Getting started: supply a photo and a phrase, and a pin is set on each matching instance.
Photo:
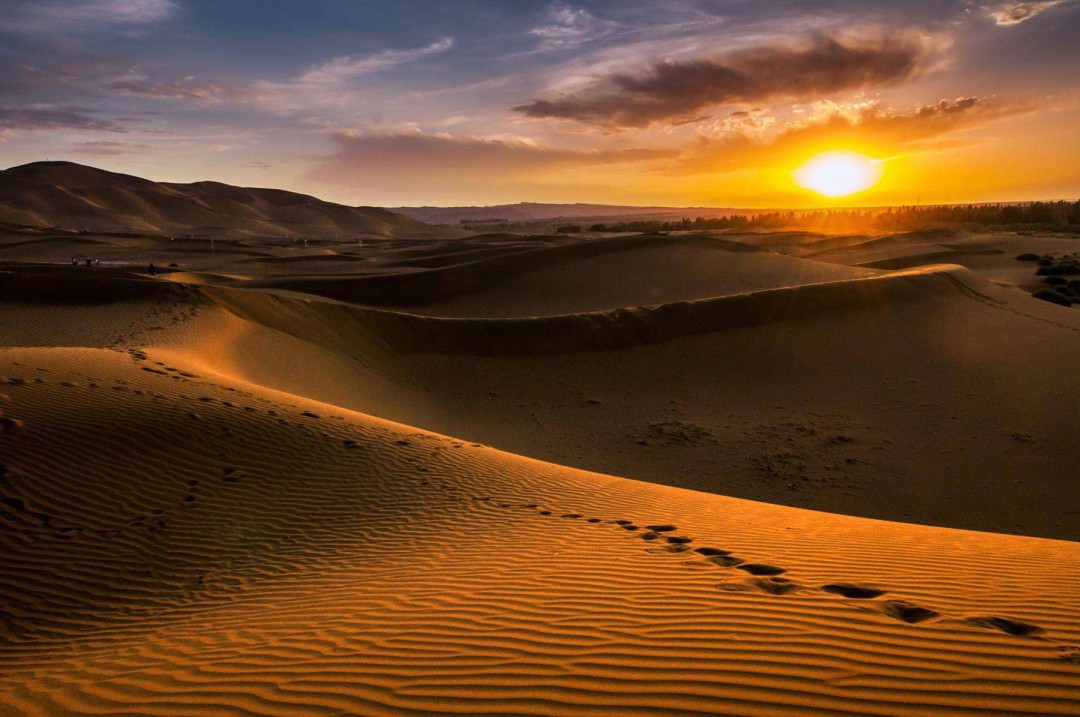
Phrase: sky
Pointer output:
(479, 102)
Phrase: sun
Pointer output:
(838, 173)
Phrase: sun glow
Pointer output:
(839, 173)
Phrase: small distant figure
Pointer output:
(97, 262)
(74, 261)
(153, 269)
(89, 261)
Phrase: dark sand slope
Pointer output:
(177, 543)
(500, 279)
(927, 396)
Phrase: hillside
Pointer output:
(77, 197)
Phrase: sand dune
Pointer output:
(278, 555)
(48, 194)
(206, 509)
(992, 255)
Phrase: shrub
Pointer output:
(1056, 280)
(1058, 270)
(1052, 296)
(1028, 257)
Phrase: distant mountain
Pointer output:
(531, 212)
(74, 196)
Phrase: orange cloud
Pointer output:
(870, 129)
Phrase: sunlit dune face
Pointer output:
(838, 174)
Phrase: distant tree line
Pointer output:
(1046, 216)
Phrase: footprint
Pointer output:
(905, 611)
(1004, 624)
(765, 580)
(10, 425)
(725, 561)
(761, 569)
(712, 551)
(774, 586)
(857, 592)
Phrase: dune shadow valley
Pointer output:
(544, 359)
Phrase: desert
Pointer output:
(560, 360)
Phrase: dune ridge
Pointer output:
(587, 331)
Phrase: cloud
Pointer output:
(186, 88)
(567, 27)
(412, 159)
(53, 16)
(1014, 13)
(671, 91)
(867, 127)
(325, 84)
(344, 68)
(108, 149)
(37, 119)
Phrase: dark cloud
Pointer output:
(872, 129)
(32, 119)
(672, 91)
